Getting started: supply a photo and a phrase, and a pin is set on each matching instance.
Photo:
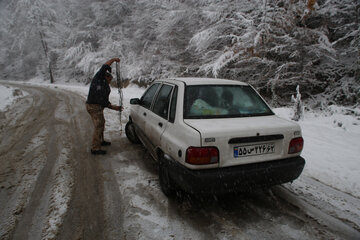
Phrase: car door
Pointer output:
(157, 120)
(140, 115)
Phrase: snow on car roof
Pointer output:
(200, 81)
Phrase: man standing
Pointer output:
(98, 99)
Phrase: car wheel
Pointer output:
(166, 183)
(130, 132)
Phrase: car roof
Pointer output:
(203, 81)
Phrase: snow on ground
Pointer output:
(332, 147)
(8, 95)
(60, 195)
(332, 138)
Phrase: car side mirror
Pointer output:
(134, 101)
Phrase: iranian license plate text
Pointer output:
(251, 150)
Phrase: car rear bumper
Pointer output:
(237, 178)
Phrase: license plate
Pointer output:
(252, 150)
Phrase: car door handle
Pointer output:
(144, 113)
(160, 124)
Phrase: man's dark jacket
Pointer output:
(99, 89)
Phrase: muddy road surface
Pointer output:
(51, 187)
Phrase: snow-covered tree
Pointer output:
(298, 105)
(274, 45)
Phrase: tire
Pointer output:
(130, 133)
(166, 183)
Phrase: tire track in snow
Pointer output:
(32, 222)
(321, 202)
(20, 166)
(64, 198)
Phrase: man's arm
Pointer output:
(106, 67)
(112, 60)
(114, 107)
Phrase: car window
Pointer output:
(148, 96)
(221, 101)
(173, 105)
(161, 106)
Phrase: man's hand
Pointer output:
(116, 108)
(112, 60)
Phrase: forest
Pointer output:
(275, 45)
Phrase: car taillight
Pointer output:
(296, 145)
(202, 155)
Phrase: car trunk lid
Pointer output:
(246, 140)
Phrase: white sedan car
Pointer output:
(214, 136)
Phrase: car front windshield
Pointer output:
(223, 101)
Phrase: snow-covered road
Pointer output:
(49, 187)
(324, 203)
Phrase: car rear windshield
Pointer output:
(223, 101)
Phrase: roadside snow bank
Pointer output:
(332, 146)
(8, 95)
